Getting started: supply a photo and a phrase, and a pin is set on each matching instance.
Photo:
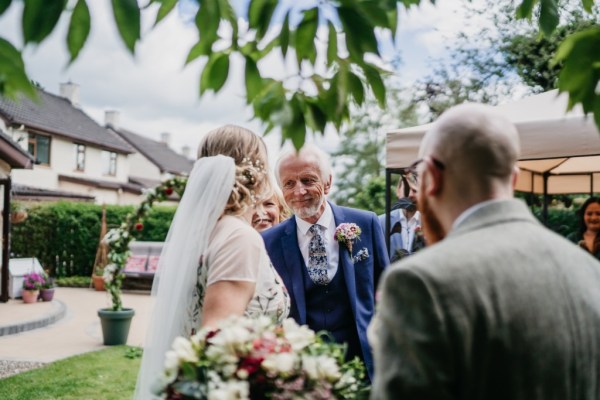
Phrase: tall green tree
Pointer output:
(360, 159)
(505, 55)
(320, 91)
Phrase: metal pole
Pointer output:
(388, 194)
(545, 200)
(5, 240)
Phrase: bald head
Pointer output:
(479, 148)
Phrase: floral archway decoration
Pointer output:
(118, 239)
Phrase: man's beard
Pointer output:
(432, 227)
(307, 212)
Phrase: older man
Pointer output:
(499, 307)
(331, 283)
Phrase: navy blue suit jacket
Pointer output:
(361, 278)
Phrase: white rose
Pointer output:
(230, 390)
(321, 367)
(298, 336)
(184, 350)
(281, 363)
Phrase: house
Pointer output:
(154, 161)
(75, 157)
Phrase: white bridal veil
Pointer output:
(207, 191)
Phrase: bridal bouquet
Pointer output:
(255, 359)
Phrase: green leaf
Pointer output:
(393, 21)
(305, 36)
(284, 35)
(374, 13)
(260, 13)
(196, 51)
(13, 78)
(548, 16)
(525, 9)
(360, 36)
(40, 18)
(332, 47)
(253, 79)
(315, 117)
(218, 71)
(4, 4)
(166, 6)
(374, 80)
(207, 22)
(127, 17)
(79, 29)
(356, 88)
(587, 5)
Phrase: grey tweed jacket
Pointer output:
(501, 309)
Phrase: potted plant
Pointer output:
(32, 283)
(47, 289)
(18, 213)
(98, 279)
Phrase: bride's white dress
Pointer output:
(236, 252)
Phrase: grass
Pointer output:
(108, 374)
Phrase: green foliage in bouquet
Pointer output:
(248, 358)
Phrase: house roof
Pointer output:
(56, 115)
(160, 154)
(13, 154)
(24, 192)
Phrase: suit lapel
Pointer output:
(293, 262)
(345, 259)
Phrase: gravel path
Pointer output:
(8, 368)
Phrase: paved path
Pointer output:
(77, 332)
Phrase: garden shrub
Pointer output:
(64, 236)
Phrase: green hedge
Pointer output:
(64, 236)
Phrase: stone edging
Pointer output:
(46, 320)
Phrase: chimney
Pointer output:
(111, 118)
(185, 151)
(70, 91)
(165, 138)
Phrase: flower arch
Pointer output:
(118, 239)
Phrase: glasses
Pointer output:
(410, 176)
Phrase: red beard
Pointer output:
(432, 227)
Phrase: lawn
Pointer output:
(108, 374)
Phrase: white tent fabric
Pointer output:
(564, 146)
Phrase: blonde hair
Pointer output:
(284, 210)
(250, 156)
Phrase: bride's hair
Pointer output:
(250, 155)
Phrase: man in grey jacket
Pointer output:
(498, 307)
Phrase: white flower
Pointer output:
(184, 350)
(171, 366)
(321, 367)
(299, 336)
(280, 363)
(230, 390)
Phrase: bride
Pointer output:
(213, 264)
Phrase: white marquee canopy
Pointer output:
(564, 147)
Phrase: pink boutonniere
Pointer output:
(348, 233)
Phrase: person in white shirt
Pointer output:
(406, 235)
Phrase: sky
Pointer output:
(154, 92)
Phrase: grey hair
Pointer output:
(309, 150)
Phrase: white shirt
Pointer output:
(408, 229)
(327, 224)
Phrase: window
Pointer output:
(80, 157)
(109, 163)
(39, 147)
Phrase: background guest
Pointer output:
(270, 211)
(589, 226)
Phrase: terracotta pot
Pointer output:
(47, 294)
(16, 217)
(98, 283)
(30, 296)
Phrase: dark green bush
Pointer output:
(74, 281)
(64, 236)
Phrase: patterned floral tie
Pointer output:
(317, 257)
